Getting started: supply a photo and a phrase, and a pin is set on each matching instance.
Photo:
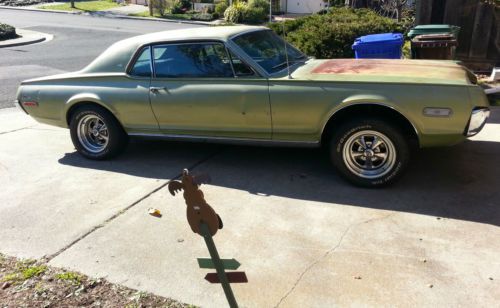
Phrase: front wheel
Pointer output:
(96, 134)
(369, 152)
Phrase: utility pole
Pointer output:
(270, 10)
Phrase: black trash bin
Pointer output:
(434, 46)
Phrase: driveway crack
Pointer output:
(327, 253)
(18, 129)
(122, 211)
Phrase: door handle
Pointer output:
(156, 89)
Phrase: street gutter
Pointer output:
(110, 15)
(26, 37)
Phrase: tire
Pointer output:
(379, 162)
(96, 134)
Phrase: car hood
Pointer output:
(385, 70)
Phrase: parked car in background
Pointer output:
(244, 84)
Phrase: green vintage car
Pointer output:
(243, 84)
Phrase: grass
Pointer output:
(166, 16)
(25, 270)
(72, 277)
(86, 6)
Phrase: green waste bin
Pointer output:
(433, 29)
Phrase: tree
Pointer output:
(395, 6)
(72, 4)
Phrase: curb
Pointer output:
(37, 37)
(110, 15)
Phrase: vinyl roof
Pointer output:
(117, 56)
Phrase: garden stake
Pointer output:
(205, 221)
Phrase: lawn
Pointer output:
(166, 16)
(87, 6)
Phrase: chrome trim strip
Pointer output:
(378, 104)
(228, 140)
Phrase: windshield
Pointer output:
(268, 50)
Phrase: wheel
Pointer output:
(96, 134)
(369, 152)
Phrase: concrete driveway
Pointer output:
(304, 237)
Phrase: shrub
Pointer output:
(255, 11)
(254, 15)
(260, 4)
(7, 32)
(204, 16)
(235, 12)
(331, 35)
(221, 7)
(180, 6)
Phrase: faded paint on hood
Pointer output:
(384, 70)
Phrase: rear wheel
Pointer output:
(369, 152)
(96, 134)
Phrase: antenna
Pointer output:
(286, 51)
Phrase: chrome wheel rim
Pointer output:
(93, 133)
(369, 154)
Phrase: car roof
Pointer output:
(117, 56)
(216, 33)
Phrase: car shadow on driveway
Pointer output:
(459, 182)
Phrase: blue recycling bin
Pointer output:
(379, 46)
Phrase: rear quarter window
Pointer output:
(142, 65)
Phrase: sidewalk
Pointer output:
(119, 12)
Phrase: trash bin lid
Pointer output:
(379, 38)
(430, 29)
(434, 40)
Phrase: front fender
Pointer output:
(367, 99)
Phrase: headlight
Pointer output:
(477, 120)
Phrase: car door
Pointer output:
(199, 90)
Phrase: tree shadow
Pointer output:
(458, 182)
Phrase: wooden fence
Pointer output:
(479, 38)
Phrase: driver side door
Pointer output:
(195, 91)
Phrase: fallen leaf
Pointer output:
(154, 212)
(5, 285)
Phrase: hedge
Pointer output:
(251, 12)
(7, 32)
(332, 34)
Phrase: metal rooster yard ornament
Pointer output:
(204, 221)
(198, 210)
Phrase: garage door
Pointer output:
(304, 6)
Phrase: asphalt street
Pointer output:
(78, 39)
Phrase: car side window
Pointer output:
(241, 69)
(192, 60)
(142, 66)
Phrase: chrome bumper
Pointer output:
(477, 121)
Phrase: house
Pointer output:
(300, 6)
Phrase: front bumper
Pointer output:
(477, 121)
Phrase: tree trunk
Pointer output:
(72, 4)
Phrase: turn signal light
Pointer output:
(30, 104)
